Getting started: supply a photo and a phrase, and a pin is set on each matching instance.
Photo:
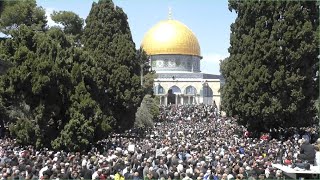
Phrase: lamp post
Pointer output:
(157, 89)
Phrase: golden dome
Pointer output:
(170, 37)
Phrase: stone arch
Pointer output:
(159, 89)
(190, 90)
(175, 89)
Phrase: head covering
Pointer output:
(230, 176)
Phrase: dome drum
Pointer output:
(175, 62)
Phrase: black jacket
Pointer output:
(308, 151)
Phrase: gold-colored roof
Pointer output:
(170, 37)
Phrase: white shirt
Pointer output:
(95, 175)
(180, 168)
(42, 170)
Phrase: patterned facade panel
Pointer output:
(187, 75)
(187, 63)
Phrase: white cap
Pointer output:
(230, 176)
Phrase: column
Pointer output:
(176, 99)
(166, 100)
(181, 99)
(188, 99)
(160, 100)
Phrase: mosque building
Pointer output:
(175, 56)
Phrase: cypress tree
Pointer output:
(270, 74)
(50, 93)
(116, 85)
(36, 86)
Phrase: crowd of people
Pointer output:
(188, 142)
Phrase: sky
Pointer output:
(210, 21)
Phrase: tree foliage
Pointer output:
(71, 22)
(143, 117)
(116, 84)
(145, 68)
(57, 94)
(148, 82)
(85, 121)
(23, 12)
(39, 79)
(146, 113)
(272, 65)
(152, 105)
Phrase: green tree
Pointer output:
(148, 76)
(39, 79)
(147, 112)
(152, 105)
(26, 12)
(50, 93)
(85, 121)
(56, 94)
(4, 116)
(116, 86)
(148, 82)
(71, 22)
(23, 130)
(269, 76)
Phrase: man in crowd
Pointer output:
(307, 151)
(188, 142)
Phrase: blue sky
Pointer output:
(210, 20)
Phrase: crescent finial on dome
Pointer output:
(170, 13)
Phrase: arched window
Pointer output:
(190, 90)
(158, 89)
(175, 90)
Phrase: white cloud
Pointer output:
(211, 63)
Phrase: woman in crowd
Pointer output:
(188, 142)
